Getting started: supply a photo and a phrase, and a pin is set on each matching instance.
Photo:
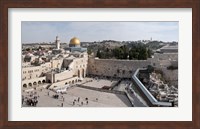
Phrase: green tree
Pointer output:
(27, 49)
(98, 53)
(89, 51)
(149, 52)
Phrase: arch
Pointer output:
(43, 81)
(34, 83)
(49, 81)
(78, 73)
(83, 73)
(24, 85)
(66, 83)
(69, 82)
(39, 82)
(72, 81)
(76, 80)
(29, 84)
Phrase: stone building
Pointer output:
(68, 67)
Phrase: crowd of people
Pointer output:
(31, 99)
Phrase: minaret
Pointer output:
(57, 43)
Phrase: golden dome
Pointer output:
(74, 41)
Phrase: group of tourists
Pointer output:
(31, 100)
(80, 102)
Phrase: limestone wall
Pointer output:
(115, 68)
(164, 60)
(63, 75)
(57, 63)
(72, 81)
(32, 72)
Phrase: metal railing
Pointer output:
(149, 96)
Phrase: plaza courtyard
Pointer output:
(77, 96)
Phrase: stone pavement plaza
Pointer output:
(95, 98)
(99, 83)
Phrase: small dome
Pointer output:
(74, 41)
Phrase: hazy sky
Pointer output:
(35, 31)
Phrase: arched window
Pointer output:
(30, 84)
(39, 82)
(24, 85)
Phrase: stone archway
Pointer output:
(66, 83)
(43, 81)
(79, 73)
(30, 84)
(34, 83)
(24, 85)
(39, 82)
(83, 73)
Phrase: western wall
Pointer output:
(114, 67)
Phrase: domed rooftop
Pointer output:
(74, 42)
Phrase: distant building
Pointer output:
(57, 43)
(169, 49)
(74, 45)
